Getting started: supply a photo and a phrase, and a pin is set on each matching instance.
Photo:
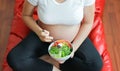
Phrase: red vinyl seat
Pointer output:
(19, 31)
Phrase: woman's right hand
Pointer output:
(44, 35)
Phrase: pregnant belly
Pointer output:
(62, 31)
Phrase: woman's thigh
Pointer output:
(86, 58)
(31, 46)
(24, 56)
(87, 51)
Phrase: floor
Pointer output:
(6, 15)
(111, 21)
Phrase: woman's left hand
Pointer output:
(74, 50)
(72, 54)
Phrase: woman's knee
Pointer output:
(13, 61)
(96, 65)
(10, 61)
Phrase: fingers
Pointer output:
(72, 54)
(45, 36)
(48, 39)
(45, 33)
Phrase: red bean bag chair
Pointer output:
(19, 30)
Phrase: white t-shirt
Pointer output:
(70, 12)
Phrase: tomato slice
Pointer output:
(62, 41)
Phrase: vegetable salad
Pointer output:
(60, 48)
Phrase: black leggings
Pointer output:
(25, 57)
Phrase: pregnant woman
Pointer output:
(71, 20)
